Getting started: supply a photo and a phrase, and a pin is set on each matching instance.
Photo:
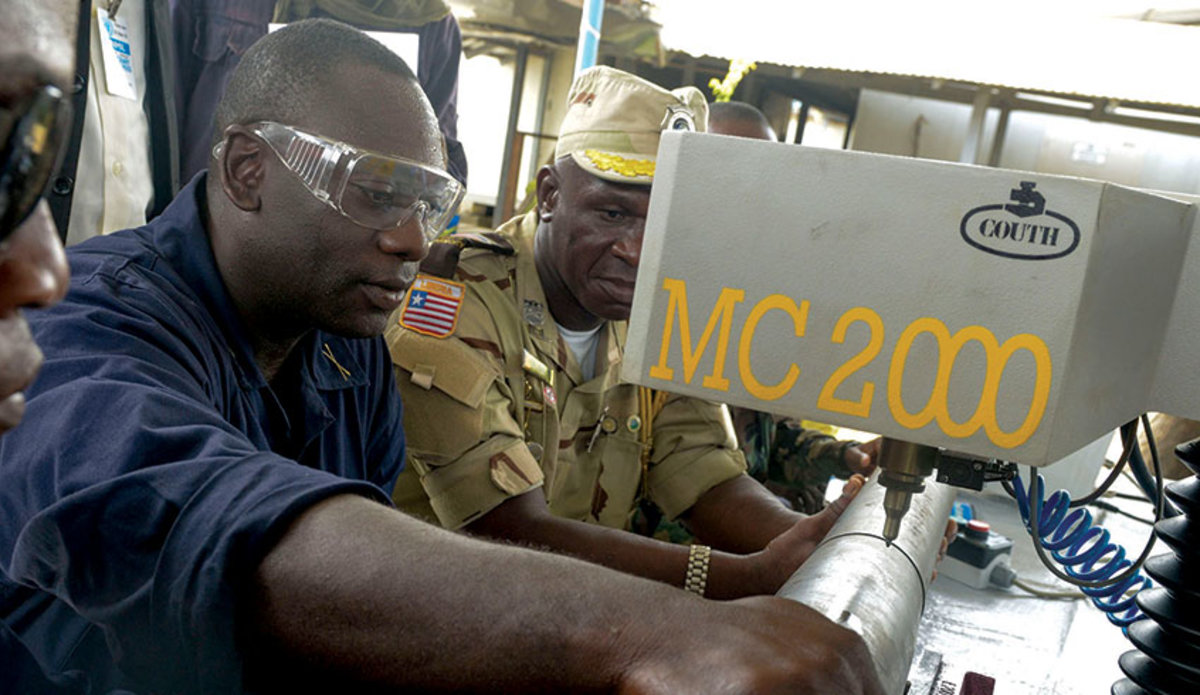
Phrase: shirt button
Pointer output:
(118, 168)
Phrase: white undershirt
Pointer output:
(583, 346)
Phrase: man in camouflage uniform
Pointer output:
(508, 351)
(796, 462)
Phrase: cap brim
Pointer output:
(621, 167)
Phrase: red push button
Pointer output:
(978, 529)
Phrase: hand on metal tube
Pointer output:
(947, 539)
(790, 549)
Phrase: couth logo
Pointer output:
(1022, 228)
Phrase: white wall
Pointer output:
(888, 123)
(484, 93)
(896, 124)
(1125, 155)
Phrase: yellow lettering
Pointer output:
(861, 407)
(896, 376)
(799, 319)
(1041, 390)
(722, 313)
(985, 411)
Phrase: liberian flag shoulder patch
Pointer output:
(432, 306)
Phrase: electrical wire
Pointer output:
(1095, 494)
(1127, 496)
(1114, 509)
(1126, 452)
(1129, 477)
(1047, 592)
(1142, 478)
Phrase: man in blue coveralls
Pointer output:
(197, 499)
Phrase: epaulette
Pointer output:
(442, 259)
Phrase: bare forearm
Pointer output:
(739, 516)
(362, 598)
(526, 520)
(362, 592)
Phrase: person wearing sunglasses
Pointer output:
(34, 120)
(198, 499)
(36, 58)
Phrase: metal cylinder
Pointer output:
(860, 581)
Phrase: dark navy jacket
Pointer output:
(155, 467)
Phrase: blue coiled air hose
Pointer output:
(1085, 551)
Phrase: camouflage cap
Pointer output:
(614, 121)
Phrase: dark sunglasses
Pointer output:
(37, 128)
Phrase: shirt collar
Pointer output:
(181, 236)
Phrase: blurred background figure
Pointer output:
(212, 35)
(740, 119)
(210, 38)
(121, 163)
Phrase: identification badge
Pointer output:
(118, 55)
(432, 306)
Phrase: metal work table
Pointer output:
(1029, 645)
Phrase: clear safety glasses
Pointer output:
(373, 190)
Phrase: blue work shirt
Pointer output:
(155, 466)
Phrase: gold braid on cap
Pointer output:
(625, 167)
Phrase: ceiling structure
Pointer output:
(1016, 55)
(1116, 61)
(498, 27)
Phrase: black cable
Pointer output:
(1131, 498)
(1101, 504)
(1160, 499)
(1137, 466)
(1112, 477)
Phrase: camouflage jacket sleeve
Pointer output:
(694, 450)
(465, 445)
(801, 456)
(782, 451)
